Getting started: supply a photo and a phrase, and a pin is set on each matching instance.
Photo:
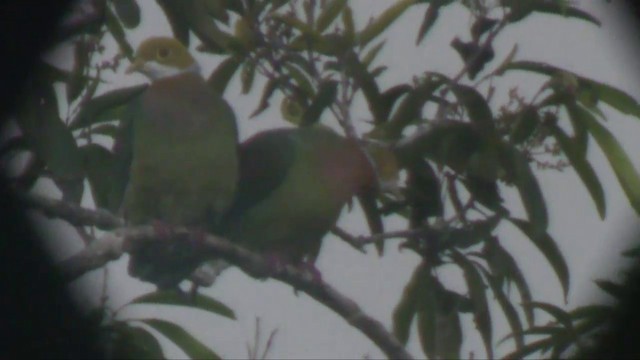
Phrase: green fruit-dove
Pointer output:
(293, 185)
(184, 166)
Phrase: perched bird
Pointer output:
(293, 185)
(184, 167)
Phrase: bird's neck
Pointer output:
(156, 71)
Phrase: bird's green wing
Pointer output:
(265, 161)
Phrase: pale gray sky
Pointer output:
(308, 329)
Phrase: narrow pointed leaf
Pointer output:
(582, 168)
(430, 17)
(347, 22)
(78, 81)
(248, 75)
(220, 77)
(193, 347)
(98, 163)
(201, 301)
(324, 98)
(175, 13)
(329, 13)
(405, 311)
(128, 11)
(476, 106)
(91, 111)
(608, 94)
(300, 79)
(549, 249)
(550, 7)
(118, 33)
(616, 290)
(580, 137)
(382, 22)
(508, 309)
(371, 55)
(561, 316)
(529, 189)
(525, 124)
(539, 345)
(478, 294)
(618, 159)
(132, 342)
(269, 89)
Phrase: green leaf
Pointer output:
(616, 290)
(622, 166)
(410, 108)
(423, 191)
(608, 94)
(439, 320)
(220, 77)
(48, 136)
(110, 103)
(131, 342)
(580, 137)
(549, 7)
(430, 17)
(329, 13)
(601, 312)
(325, 97)
(175, 14)
(505, 268)
(449, 144)
(549, 249)
(365, 81)
(582, 168)
(207, 30)
(269, 89)
(525, 124)
(539, 345)
(371, 55)
(78, 81)
(477, 108)
(347, 22)
(405, 311)
(486, 192)
(201, 301)
(248, 75)
(98, 163)
(382, 22)
(118, 34)
(179, 336)
(508, 309)
(528, 187)
(551, 330)
(128, 11)
(426, 321)
(561, 316)
(300, 78)
(477, 293)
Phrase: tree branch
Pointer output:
(114, 245)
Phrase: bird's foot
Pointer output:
(198, 237)
(275, 262)
(162, 229)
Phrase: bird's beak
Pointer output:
(136, 66)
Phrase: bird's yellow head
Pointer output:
(161, 57)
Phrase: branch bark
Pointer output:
(115, 244)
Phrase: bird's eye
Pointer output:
(163, 53)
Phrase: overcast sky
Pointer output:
(307, 329)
